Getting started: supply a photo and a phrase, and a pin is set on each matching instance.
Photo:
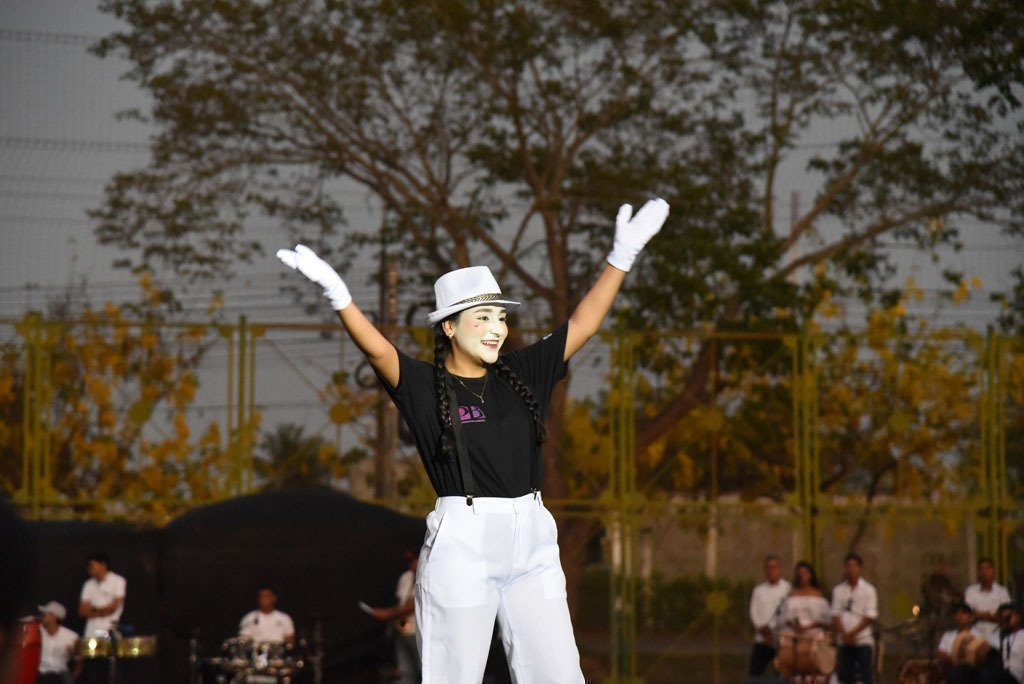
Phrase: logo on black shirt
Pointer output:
(471, 414)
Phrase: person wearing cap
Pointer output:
(58, 647)
(477, 418)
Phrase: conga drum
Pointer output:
(29, 645)
(796, 655)
(823, 654)
(969, 649)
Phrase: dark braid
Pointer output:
(446, 448)
(506, 373)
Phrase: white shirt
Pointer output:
(946, 642)
(405, 590)
(807, 611)
(853, 604)
(986, 602)
(272, 626)
(101, 595)
(1013, 654)
(765, 606)
(57, 650)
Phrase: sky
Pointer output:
(61, 141)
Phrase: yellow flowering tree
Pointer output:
(110, 394)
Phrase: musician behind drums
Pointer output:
(804, 651)
(58, 647)
(765, 608)
(1008, 642)
(101, 603)
(854, 609)
(963, 649)
(267, 623)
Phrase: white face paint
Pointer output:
(478, 335)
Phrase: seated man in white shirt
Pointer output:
(962, 649)
(267, 623)
(1008, 643)
(58, 647)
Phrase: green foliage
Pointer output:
(288, 459)
(680, 605)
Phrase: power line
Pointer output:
(73, 144)
(47, 38)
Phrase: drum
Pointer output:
(29, 644)
(237, 652)
(269, 655)
(93, 647)
(823, 654)
(136, 646)
(922, 671)
(809, 654)
(969, 649)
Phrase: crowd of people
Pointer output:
(806, 636)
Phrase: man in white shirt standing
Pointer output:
(101, 604)
(267, 623)
(403, 619)
(58, 647)
(765, 603)
(985, 597)
(103, 596)
(854, 609)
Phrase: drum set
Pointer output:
(246, 661)
(114, 646)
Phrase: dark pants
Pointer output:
(95, 671)
(53, 678)
(995, 674)
(851, 661)
(760, 656)
(962, 674)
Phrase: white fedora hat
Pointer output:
(55, 608)
(463, 289)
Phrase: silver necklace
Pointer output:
(483, 390)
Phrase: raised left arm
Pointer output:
(631, 234)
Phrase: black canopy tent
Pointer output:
(323, 551)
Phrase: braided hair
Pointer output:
(442, 347)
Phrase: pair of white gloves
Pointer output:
(631, 234)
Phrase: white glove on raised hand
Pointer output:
(631, 234)
(306, 262)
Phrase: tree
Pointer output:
(291, 459)
(508, 133)
(110, 391)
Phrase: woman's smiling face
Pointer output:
(478, 333)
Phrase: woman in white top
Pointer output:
(804, 654)
(807, 612)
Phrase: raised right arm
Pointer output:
(379, 351)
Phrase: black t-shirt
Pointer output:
(499, 431)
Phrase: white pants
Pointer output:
(498, 557)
